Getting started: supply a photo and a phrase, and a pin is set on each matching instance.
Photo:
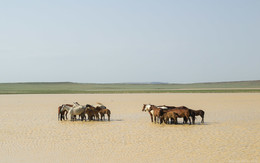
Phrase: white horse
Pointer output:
(75, 110)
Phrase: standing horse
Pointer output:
(196, 113)
(62, 113)
(76, 110)
(201, 113)
(147, 107)
(102, 113)
(92, 112)
(102, 109)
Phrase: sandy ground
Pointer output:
(30, 131)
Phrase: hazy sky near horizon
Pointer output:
(108, 41)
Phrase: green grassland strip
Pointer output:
(82, 88)
(131, 91)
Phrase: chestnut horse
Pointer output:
(147, 107)
(181, 112)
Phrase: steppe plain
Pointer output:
(30, 130)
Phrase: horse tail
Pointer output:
(108, 111)
(59, 113)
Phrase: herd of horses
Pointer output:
(158, 114)
(170, 114)
(92, 112)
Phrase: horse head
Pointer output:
(146, 107)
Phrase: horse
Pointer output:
(166, 115)
(200, 113)
(182, 112)
(196, 113)
(102, 109)
(91, 112)
(155, 112)
(147, 107)
(75, 110)
(102, 113)
(62, 114)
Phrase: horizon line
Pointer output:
(49, 82)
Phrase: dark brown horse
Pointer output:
(91, 112)
(196, 113)
(200, 113)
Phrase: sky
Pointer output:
(112, 41)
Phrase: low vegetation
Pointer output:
(82, 88)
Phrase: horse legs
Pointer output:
(101, 116)
(185, 120)
(202, 120)
(193, 119)
(151, 116)
(189, 120)
(108, 117)
(66, 113)
(97, 116)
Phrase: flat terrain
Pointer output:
(83, 88)
(31, 132)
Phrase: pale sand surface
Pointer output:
(30, 131)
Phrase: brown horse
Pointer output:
(165, 115)
(196, 113)
(102, 113)
(147, 107)
(155, 112)
(91, 112)
(200, 113)
(102, 110)
(182, 112)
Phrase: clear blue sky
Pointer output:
(106, 41)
